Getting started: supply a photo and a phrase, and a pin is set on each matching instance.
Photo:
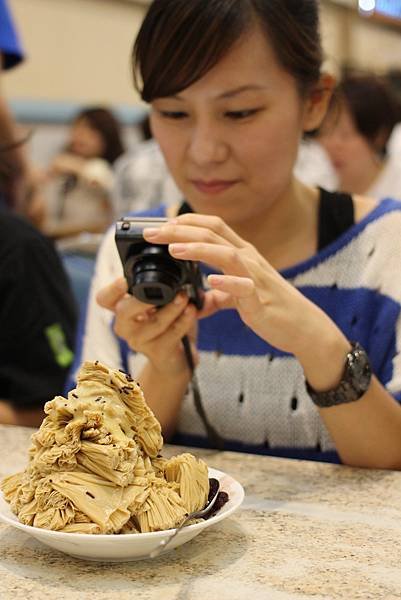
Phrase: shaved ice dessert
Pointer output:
(95, 464)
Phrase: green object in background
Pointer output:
(56, 338)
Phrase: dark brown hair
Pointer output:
(374, 108)
(105, 123)
(181, 40)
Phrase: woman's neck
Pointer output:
(287, 232)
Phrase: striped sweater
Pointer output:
(253, 393)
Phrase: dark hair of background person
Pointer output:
(180, 41)
(102, 120)
(393, 76)
(374, 107)
(144, 128)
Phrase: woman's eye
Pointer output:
(241, 114)
(172, 114)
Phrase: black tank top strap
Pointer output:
(336, 215)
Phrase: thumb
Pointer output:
(108, 296)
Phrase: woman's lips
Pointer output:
(212, 187)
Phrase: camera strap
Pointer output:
(216, 441)
(184, 208)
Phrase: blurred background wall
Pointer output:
(78, 50)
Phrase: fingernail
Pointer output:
(215, 280)
(179, 299)
(150, 232)
(140, 318)
(177, 248)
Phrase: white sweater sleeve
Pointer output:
(99, 341)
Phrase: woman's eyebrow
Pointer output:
(232, 92)
(240, 90)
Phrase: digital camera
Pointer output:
(153, 275)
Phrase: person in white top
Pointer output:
(356, 134)
(80, 178)
(142, 180)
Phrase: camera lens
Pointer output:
(156, 276)
(153, 293)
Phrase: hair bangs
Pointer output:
(179, 50)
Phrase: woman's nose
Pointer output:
(207, 145)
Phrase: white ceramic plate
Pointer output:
(131, 546)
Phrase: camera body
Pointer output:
(153, 275)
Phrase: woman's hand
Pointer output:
(156, 333)
(266, 302)
(66, 164)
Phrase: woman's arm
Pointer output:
(366, 432)
(164, 395)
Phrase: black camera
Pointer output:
(153, 275)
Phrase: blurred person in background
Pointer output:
(37, 321)
(18, 180)
(356, 133)
(393, 76)
(81, 176)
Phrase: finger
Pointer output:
(171, 233)
(239, 287)
(212, 223)
(162, 320)
(195, 227)
(108, 296)
(168, 339)
(215, 300)
(129, 308)
(225, 258)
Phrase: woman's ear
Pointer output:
(317, 102)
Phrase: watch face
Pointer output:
(359, 371)
(356, 380)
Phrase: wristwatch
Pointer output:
(354, 382)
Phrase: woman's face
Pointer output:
(350, 152)
(85, 141)
(230, 140)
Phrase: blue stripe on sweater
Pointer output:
(283, 452)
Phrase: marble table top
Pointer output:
(306, 530)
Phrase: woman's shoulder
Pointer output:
(365, 206)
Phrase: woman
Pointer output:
(83, 175)
(233, 85)
(356, 133)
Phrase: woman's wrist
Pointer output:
(323, 360)
(166, 374)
